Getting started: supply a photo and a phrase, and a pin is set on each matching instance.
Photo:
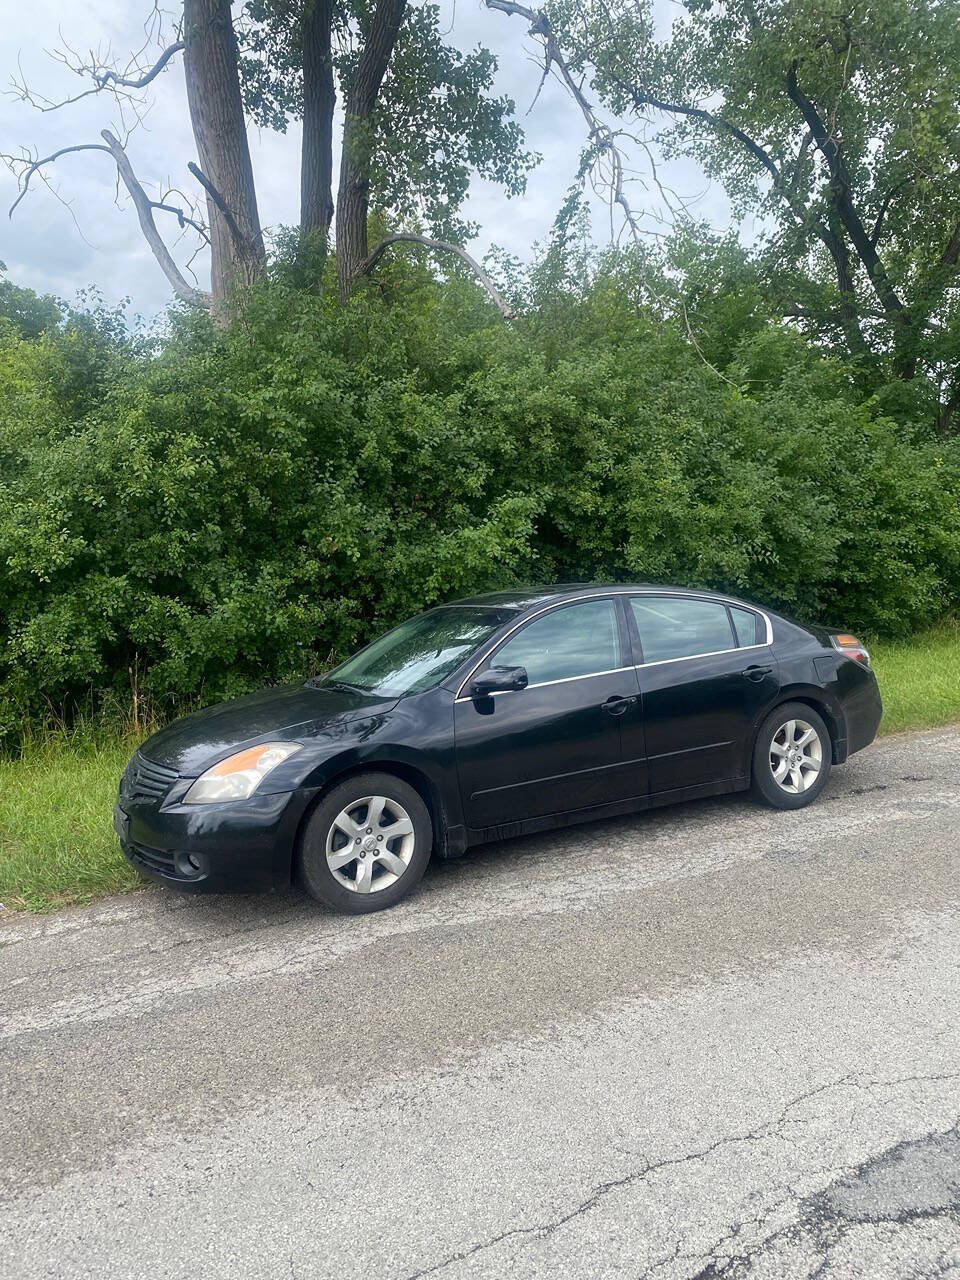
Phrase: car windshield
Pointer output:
(419, 653)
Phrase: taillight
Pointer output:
(851, 646)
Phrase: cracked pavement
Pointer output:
(709, 1042)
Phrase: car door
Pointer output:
(706, 673)
(554, 746)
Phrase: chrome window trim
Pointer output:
(604, 595)
(690, 657)
(542, 684)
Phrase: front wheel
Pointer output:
(791, 757)
(367, 844)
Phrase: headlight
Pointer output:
(237, 777)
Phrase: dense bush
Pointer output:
(228, 508)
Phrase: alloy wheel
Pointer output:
(370, 844)
(796, 756)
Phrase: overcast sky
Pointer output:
(58, 249)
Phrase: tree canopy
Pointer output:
(838, 125)
(836, 130)
(434, 125)
(419, 119)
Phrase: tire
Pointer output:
(779, 746)
(356, 817)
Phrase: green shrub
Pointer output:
(236, 507)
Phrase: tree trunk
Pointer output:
(949, 413)
(220, 132)
(354, 193)
(319, 98)
(841, 188)
(832, 237)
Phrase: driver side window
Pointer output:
(577, 640)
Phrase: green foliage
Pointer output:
(436, 122)
(28, 312)
(860, 226)
(241, 506)
(437, 126)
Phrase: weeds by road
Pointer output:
(56, 820)
(919, 678)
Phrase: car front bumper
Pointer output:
(245, 846)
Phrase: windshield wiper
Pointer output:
(320, 682)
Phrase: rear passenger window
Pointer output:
(673, 628)
(746, 625)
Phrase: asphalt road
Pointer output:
(713, 1041)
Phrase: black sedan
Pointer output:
(488, 718)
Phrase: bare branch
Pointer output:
(604, 141)
(601, 136)
(23, 93)
(182, 218)
(96, 70)
(142, 202)
(186, 210)
(439, 246)
(141, 82)
(144, 206)
(34, 166)
(239, 239)
(640, 100)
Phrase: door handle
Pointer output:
(756, 673)
(616, 706)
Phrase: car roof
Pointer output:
(522, 598)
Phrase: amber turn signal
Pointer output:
(852, 647)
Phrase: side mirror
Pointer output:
(498, 680)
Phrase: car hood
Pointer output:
(304, 712)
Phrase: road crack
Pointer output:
(649, 1169)
(646, 1171)
(904, 1174)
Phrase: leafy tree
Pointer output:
(419, 117)
(30, 313)
(838, 124)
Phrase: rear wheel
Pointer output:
(791, 758)
(367, 844)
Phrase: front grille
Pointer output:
(145, 782)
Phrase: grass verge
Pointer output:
(919, 678)
(57, 845)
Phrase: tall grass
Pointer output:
(57, 844)
(919, 678)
